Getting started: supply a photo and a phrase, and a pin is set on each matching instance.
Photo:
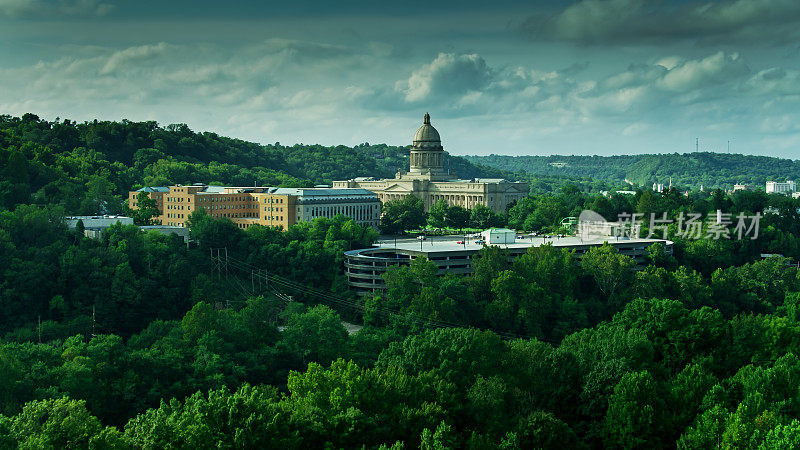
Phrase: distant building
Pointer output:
(774, 187)
(744, 187)
(560, 165)
(428, 179)
(610, 193)
(95, 226)
(165, 229)
(269, 206)
(660, 187)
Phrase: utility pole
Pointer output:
(697, 145)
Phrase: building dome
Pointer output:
(426, 136)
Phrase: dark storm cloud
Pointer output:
(657, 21)
(54, 8)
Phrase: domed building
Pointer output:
(428, 179)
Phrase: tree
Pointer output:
(611, 270)
(62, 423)
(543, 430)
(316, 335)
(635, 415)
(457, 217)
(146, 209)
(401, 215)
(483, 217)
(437, 215)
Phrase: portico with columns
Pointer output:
(428, 180)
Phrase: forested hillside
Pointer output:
(88, 167)
(711, 170)
(138, 341)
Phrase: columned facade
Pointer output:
(428, 180)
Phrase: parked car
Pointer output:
(421, 238)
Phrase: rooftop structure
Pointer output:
(97, 222)
(95, 226)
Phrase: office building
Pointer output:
(269, 206)
(774, 187)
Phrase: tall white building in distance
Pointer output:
(774, 187)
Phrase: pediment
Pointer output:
(397, 188)
(514, 188)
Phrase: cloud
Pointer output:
(50, 8)
(660, 21)
(775, 81)
(448, 76)
(695, 74)
(132, 56)
(298, 91)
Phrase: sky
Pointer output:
(585, 77)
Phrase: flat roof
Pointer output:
(96, 217)
(449, 243)
(322, 192)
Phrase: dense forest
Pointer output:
(137, 340)
(710, 170)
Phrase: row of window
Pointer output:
(357, 212)
(216, 199)
(236, 215)
(240, 206)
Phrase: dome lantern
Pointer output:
(426, 137)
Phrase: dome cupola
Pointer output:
(426, 137)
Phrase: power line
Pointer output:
(272, 279)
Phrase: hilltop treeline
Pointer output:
(711, 170)
(88, 167)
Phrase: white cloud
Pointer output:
(694, 74)
(448, 75)
(131, 57)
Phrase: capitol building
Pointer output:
(428, 180)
